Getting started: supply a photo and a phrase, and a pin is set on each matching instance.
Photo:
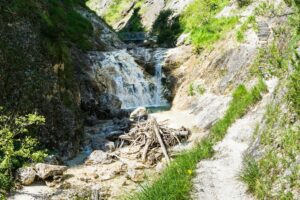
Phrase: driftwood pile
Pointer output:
(151, 136)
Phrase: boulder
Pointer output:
(26, 175)
(139, 113)
(98, 157)
(45, 171)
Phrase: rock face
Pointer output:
(26, 175)
(57, 87)
(45, 171)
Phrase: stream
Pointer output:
(128, 81)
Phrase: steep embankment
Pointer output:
(44, 67)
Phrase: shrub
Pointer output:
(243, 3)
(18, 144)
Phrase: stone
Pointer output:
(45, 171)
(53, 160)
(26, 175)
(99, 143)
(135, 175)
(108, 175)
(98, 157)
(139, 113)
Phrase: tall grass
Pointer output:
(175, 182)
(199, 19)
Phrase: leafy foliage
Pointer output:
(167, 28)
(134, 24)
(18, 144)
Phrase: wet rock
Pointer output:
(26, 175)
(45, 171)
(139, 113)
(98, 157)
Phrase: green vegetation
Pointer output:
(134, 24)
(280, 139)
(274, 59)
(18, 145)
(199, 19)
(195, 89)
(249, 23)
(243, 3)
(36, 62)
(209, 33)
(175, 182)
(275, 174)
(294, 85)
(166, 29)
(113, 13)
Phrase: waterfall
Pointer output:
(159, 57)
(123, 77)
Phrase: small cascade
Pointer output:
(123, 77)
(159, 56)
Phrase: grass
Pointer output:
(212, 31)
(249, 23)
(280, 141)
(194, 89)
(275, 173)
(175, 182)
(199, 19)
(113, 13)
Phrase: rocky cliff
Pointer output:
(45, 67)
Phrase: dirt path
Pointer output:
(218, 178)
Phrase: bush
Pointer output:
(243, 3)
(166, 28)
(18, 144)
(5, 183)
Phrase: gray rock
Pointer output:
(135, 175)
(45, 171)
(139, 113)
(98, 157)
(26, 175)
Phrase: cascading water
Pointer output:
(159, 57)
(124, 78)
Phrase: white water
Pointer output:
(123, 77)
(159, 57)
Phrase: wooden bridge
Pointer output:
(136, 37)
